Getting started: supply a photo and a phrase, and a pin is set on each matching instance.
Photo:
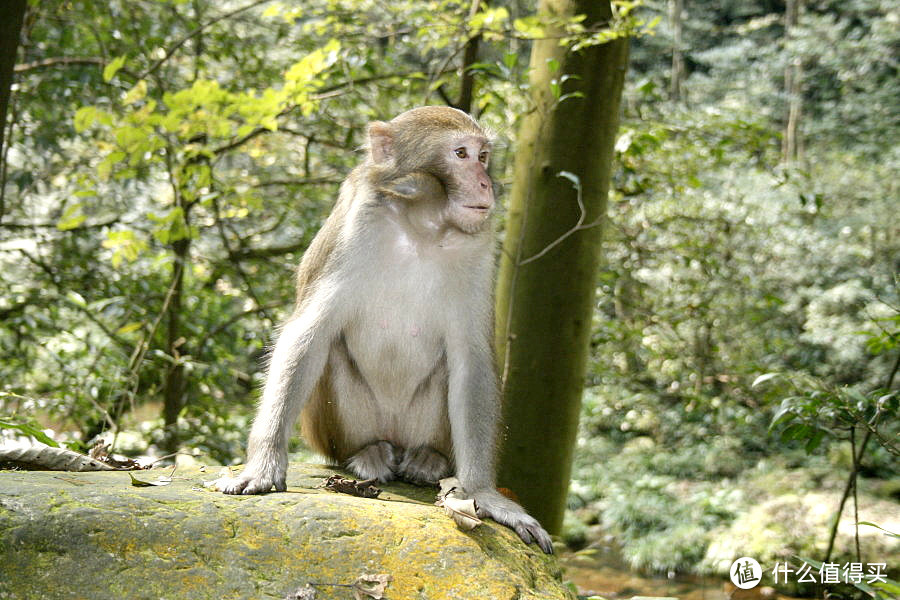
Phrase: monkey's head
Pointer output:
(447, 144)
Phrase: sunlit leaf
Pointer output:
(137, 92)
(110, 70)
(71, 218)
(129, 327)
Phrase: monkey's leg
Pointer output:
(423, 465)
(378, 460)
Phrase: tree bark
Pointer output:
(10, 29)
(546, 287)
(175, 385)
(675, 9)
(792, 143)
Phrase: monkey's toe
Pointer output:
(378, 461)
(492, 505)
(231, 485)
(249, 484)
(423, 465)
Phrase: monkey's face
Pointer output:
(470, 194)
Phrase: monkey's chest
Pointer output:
(395, 340)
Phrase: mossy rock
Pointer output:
(95, 535)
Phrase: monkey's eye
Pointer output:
(461, 153)
(483, 157)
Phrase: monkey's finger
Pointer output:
(523, 532)
(533, 532)
(281, 486)
(543, 540)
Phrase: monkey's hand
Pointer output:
(255, 480)
(491, 503)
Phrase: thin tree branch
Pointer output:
(220, 225)
(323, 93)
(851, 480)
(231, 321)
(579, 225)
(112, 221)
(172, 49)
(268, 252)
(56, 61)
(84, 310)
(289, 182)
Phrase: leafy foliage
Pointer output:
(724, 264)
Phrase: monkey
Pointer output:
(387, 357)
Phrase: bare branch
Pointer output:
(232, 320)
(268, 252)
(55, 61)
(172, 49)
(289, 182)
(579, 225)
(102, 224)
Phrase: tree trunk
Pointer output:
(546, 287)
(174, 390)
(792, 143)
(10, 29)
(675, 9)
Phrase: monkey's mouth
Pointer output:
(477, 207)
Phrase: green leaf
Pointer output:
(529, 27)
(139, 483)
(110, 70)
(814, 441)
(124, 245)
(137, 92)
(796, 431)
(134, 326)
(85, 117)
(870, 524)
(76, 298)
(30, 431)
(763, 378)
(71, 218)
(273, 11)
(489, 17)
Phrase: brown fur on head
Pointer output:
(443, 143)
(406, 142)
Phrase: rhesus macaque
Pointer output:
(388, 351)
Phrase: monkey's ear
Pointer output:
(381, 142)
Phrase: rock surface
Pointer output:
(95, 535)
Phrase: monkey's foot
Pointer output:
(251, 481)
(498, 507)
(378, 461)
(423, 465)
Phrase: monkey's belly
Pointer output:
(390, 385)
(394, 357)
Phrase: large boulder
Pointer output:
(95, 535)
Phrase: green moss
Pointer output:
(101, 537)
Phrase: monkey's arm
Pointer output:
(296, 365)
(474, 414)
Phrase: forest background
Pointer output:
(166, 163)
